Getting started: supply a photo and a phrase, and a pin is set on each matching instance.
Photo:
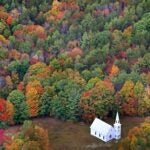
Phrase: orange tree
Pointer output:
(34, 91)
(6, 112)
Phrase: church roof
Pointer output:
(101, 126)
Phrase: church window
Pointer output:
(95, 132)
(103, 137)
(99, 135)
(110, 136)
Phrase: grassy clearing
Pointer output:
(76, 136)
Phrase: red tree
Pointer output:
(3, 113)
(9, 20)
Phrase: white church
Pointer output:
(104, 131)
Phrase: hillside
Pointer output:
(73, 59)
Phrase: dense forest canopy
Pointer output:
(74, 59)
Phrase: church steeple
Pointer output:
(117, 118)
(117, 127)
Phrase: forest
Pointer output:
(74, 60)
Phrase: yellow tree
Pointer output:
(144, 103)
(38, 71)
(10, 111)
(128, 100)
(127, 89)
(33, 92)
(75, 76)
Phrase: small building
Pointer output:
(104, 131)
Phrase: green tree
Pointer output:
(141, 30)
(25, 47)
(91, 83)
(86, 74)
(138, 89)
(65, 103)
(33, 12)
(45, 101)
(101, 38)
(3, 53)
(144, 63)
(19, 66)
(55, 64)
(17, 98)
(86, 41)
(88, 23)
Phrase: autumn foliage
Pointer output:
(3, 114)
(137, 138)
(34, 137)
(114, 70)
(58, 9)
(95, 102)
(14, 54)
(3, 40)
(3, 14)
(32, 29)
(75, 52)
(126, 99)
(21, 86)
(73, 59)
(9, 20)
(6, 111)
(39, 71)
(2, 136)
(33, 93)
